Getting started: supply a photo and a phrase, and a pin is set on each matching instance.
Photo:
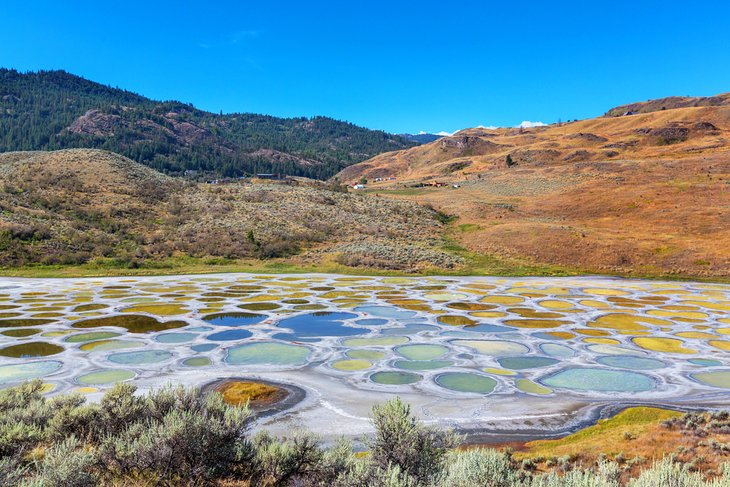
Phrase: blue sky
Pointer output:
(396, 66)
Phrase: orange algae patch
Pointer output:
(555, 304)
(605, 292)
(592, 303)
(724, 306)
(532, 313)
(679, 307)
(491, 370)
(548, 291)
(668, 345)
(488, 314)
(694, 315)
(626, 322)
(603, 341)
(502, 299)
(694, 334)
(240, 393)
(157, 309)
(411, 304)
(536, 323)
(563, 335)
(721, 344)
(470, 306)
(592, 333)
(455, 320)
(86, 390)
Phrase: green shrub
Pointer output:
(402, 440)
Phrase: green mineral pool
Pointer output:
(133, 323)
(421, 351)
(31, 349)
(109, 345)
(30, 370)
(557, 350)
(394, 378)
(21, 332)
(366, 354)
(520, 363)
(494, 348)
(705, 362)
(631, 362)
(140, 358)
(526, 385)
(93, 335)
(101, 377)
(351, 365)
(197, 361)
(720, 378)
(466, 382)
(272, 353)
(378, 341)
(599, 380)
(422, 364)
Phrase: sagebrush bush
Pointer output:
(177, 436)
(479, 466)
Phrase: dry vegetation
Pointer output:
(175, 437)
(635, 439)
(79, 206)
(642, 194)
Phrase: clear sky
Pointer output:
(391, 65)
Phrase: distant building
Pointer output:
(359, 186)
(275, 176)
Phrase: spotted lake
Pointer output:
(521, 354)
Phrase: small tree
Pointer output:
(509, 160)
(363, 181)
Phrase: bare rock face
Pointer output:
(466, 144)
(669, 135)
(94, 122)
(588, 137)
(579, 155)
(279, 157)
(703, 126)
(187, 132)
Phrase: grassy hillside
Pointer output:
(82, 206)
(642, 194)
(51, 110)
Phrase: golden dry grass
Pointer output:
(636, 433)
(601, 195)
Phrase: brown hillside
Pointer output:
(670, 103)
(647, 193)
(78, 205)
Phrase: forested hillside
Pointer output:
(54, 110)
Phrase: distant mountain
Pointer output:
(48, 110)
(421, 138)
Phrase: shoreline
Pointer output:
(283, 268)
(470, 436)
